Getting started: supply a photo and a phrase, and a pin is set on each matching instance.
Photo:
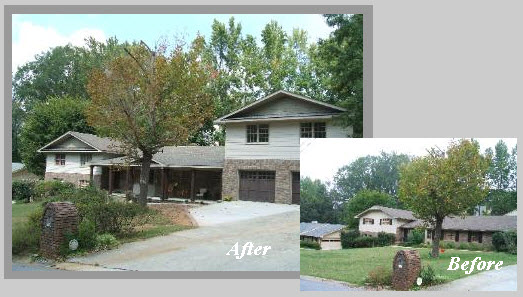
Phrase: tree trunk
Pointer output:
(144, 178)
(436, 239)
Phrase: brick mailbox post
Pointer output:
(405, 269)
(59, 219)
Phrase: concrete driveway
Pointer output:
(205, 248)
(492, 280)
(309, 283)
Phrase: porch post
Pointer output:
(91, 174)
(110, 180)
(163, 183)
(128, 179)
(192, 184)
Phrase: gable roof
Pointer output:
(240, 114)
(391, 212)
(318, 230)
(473, 223)
(98, 144)
(181, 156)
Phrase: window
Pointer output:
(85, 158)
(313, 130)
(59, 159)
(385, 221)
(475, 237)
(258, 133)
(367, 221)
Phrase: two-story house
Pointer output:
(259, 162)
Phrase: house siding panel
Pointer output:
(376, 227)
(72, 164)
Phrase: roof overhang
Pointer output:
(45, 149)
(230, 117)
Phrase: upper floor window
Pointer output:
(368, 221)
(313, 130)
(85, 158)
(385, 221)
(59, 159)
(258, 133)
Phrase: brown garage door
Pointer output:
(257, 186)
(295, 188)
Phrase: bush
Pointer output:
(348, 237)
(365, 242)
(505, 241)
(415, 237)
(386, 239)
(23, 190)
(447, 244)
(379, 276)
(116, 217)
(52, 188)
(429, 277)
(26, 238)
(464, 246)
(87, 235)
(106, 241)
(310, 244)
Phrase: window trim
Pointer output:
(313, 126)
(385, 219)
(367, 220)
(58, 160)
(257, 133)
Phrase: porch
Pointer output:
(164, 182)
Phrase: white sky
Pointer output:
(321, 158)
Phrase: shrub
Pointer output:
(52, 188)
(386, 239)
(429, 277)
(447, 244)
(464, 246)
(348, 237)
(365, 241)
(87, 235)
(26, 237)
(106, 241)
(310, 244)
(116, 217)
(505, 241)
(23, 190)
(379, 276)
(415, 237)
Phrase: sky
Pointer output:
(36, 33)
(320, 158)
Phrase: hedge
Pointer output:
(505, 241)
(310, 244)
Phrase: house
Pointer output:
(20, 173)
(259, 162)
(327, 235)
(477, 229)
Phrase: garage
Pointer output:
(257, 186)
(295, 188)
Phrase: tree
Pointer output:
(501, 202)
(315, 202)
(362, 201)
(499, 170)
(147, 100)
(18, 116)
(444, 183)
(47, 121)
(339, 58)
(379, 173)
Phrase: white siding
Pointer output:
(288, 106)
(72, 143)
(284, 140)
(72, 163)
(376, 227)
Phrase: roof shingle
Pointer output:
(318, 229)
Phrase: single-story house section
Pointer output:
(476, 229)
(20, 173)
(259, 162)
(327, 235)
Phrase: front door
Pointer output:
(295, 188)
(257, 186)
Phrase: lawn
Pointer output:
(21, 212)
(353, 265)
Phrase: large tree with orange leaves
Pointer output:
(148, 99)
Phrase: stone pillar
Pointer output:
(59, 219)
(405, 269)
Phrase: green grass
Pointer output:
(353, 265)
(21, 212)
(156, 230)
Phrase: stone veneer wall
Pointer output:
(74, 178)
(283, 178)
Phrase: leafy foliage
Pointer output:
(47, 121)
(379, 276)
(444, 183)
(22, 190)
(310, 244)
(506, 241)
(316, 203)
(415, 237)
